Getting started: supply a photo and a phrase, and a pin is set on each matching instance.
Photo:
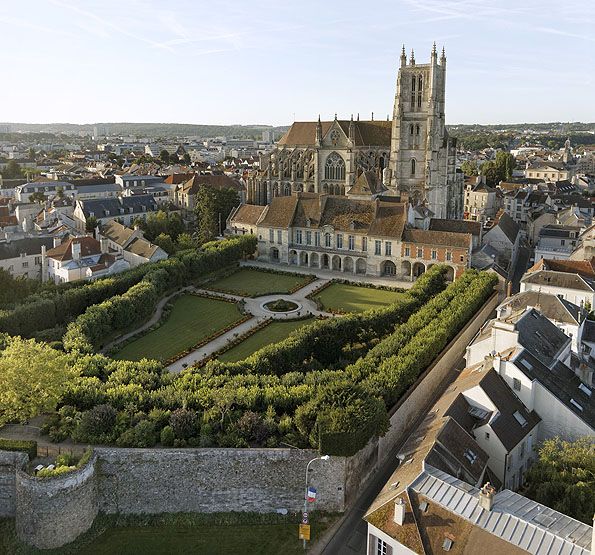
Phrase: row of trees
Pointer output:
(494, 171)
(310, 403)
(59, 305)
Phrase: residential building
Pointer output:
(502, 234)
(244, 219)
(556, 241)
(475, 229)
(80, 258)
(129, 243)
(480, 201)
(22, 257)
(185, 193)
(575, 288)
(550, 170)
(125, 209)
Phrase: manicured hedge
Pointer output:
(123, 312)
(276, 395)
(51, 308)
(29, 447)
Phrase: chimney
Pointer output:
(103, 243)
(399, 517)
(76, 250)
(57, 241)
(486, 496)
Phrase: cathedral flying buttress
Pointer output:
(411, 154)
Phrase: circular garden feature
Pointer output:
(281, 305)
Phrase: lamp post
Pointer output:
(321, 458)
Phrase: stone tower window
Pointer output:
(334, 167)
(412, 166)
(419, 90)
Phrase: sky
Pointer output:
(276, 61)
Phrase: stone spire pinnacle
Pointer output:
(412, 59)
(434, 49)
(403, 57)
(443, 56)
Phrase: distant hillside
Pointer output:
(147, 129)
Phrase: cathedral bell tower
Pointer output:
(421, 159)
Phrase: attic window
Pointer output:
(423, 506)
(447, 544)
(527, 364)
(519, 418)
(470, 456)
(585, 389)
(574, 403)
(478, 412)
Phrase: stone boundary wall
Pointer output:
(51, 512)
(422, 395)
(9, 462)
(133, 481)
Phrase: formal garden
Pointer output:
(271, 333)
(191, 320)
(341, 298)
(252, 282)
(326, 384)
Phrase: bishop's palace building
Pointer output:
(370, 197)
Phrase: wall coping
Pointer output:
(60, 482)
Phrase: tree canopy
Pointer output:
(212, 208)
(33, 377)
(563, 478)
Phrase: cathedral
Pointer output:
(411, 156)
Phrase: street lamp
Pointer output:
(321, 458)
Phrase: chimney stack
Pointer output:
(76, 250)
(57, 242)
(399, 511)
(486, 496)
(103, 243)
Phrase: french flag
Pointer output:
(311, 495)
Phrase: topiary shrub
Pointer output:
(167, 436)
(184, 423)
(96, 424)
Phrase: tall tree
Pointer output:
(164, 155)
(212, 207)
(563, 478)
(33, 377)
(470, 167)
(12, 170)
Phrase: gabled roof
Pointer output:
(540, 336)
(552, 307)
(438, 238)
(563, 280)
(367, 133)
(30, 245)
(247, 214)
(63, 252)
(508, 226)
(581, 267)
(367, 183)
(456, 226)
(116, 232)
(220, 181)
(562, 383)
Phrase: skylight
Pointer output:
(520, 418)
(470, 456)
(477, 412)
(527, 364)
(573, 402)
(585, 389)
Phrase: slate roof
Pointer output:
(116, 232)
(562, 383)
(540, 336)
(563, 280)
(367, 133)
(509, 431)
(438, 238)
(30, 245)
(508, 226)
(142, 247)
(106, 207)
(557, 230)
(456, 226)
(552, 307)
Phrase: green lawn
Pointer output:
(211, 540)
(339, 297)
(192, 318)
(249, 282)
(275, 331)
